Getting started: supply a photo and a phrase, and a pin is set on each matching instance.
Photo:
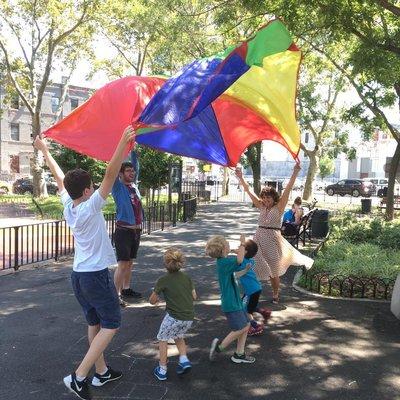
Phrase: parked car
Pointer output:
(25, 185)
(383, 188)
(353, 187)
(5, 187)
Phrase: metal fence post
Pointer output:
(162, 214)
(57, 240)
(174, 214)
(16, 248)
(149, 220)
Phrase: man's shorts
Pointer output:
(127, 243)
(172, 328)
(96, 293)
(237, 320)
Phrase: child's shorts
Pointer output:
(172, 328)
(252, 302)
(96, 293)
(237, 320)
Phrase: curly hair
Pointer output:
(215, 246)
(269, 191)
(174, 259)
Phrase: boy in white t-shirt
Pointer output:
(91, 281)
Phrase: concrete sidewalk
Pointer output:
(312, 349)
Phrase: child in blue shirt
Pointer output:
(231, 302)
(251, 287)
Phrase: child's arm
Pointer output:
(244, 271)
(241, 250)
(113, 167)
(55, 169)
(194, 294)
(154, 299)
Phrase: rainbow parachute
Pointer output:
(212, 110)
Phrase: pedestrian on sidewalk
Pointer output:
(231, 303)
(128, 227)
(179, 293)
(91, 280)
(275, 254)
(252, 288)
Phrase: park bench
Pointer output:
(396, 203)
(302, 230)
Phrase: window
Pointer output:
(15, 102)
(14, 131)
(74, 103)
(55, 102)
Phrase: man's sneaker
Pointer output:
(109, 376)
(242, 358)
(159, 374)
(130, 293)
(254, 331)
(183, 367)
(122, 302)
(214, 349)
(265, 312)
(81, 389)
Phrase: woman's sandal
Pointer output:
(275, 300)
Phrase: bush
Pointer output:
(361, 260)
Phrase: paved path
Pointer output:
(313, 348)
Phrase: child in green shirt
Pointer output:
(231, 302)
(179, 293)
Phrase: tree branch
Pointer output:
(388, 6)
(13, 79)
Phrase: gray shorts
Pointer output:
(172, 328)
(237, 320)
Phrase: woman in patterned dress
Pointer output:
(275, 254)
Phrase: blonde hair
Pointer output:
(215, 246)
(174, 259)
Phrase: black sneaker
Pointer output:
(242, 358)
(81, 389)
(109, 376)
(131, 293)
(122, 302)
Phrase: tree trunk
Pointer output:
(394, 164)
(39, 183)
(225, 183)
(253, 155)
(312, 171)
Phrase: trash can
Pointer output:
(366, 206)
(320, 223)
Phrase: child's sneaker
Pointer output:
(160, 374)
(255, 330)
(81, 389)
(242, 358)
(183, 367)
(109, 376)
(265, 312)
(214, 349)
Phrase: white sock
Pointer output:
(80, 379)
(163, 368)
(102, 373)
(183, 359)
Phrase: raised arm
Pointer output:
(256, 201)
(114, 165)
(55, 169)
(244, 271)
(241, 250)
(285, 195)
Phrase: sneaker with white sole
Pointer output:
(242, 358)
(160, 374)
(109, 376)
(183, 367)
(81, 389)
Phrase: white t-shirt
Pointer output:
(93, 249)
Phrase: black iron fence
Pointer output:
(347, 286)
(42, 241)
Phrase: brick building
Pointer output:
(15, 127)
